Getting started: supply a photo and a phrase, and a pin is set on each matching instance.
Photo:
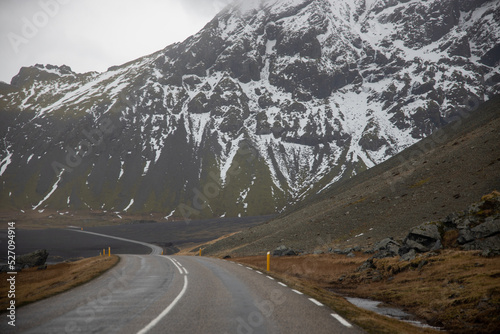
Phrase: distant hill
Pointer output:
(444, 173)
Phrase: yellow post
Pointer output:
(200, 251)
(104, 251)
(109, 251)
(268, 261)
(82, 228)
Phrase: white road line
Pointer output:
(341, 320)
(283, 284)
(156, 320)
(249, 268)
(240, 264)
(258, 272)
(315, 302)
(185, 270)
(270, 278)
(297, 292)
(175, 264)
(155, 250)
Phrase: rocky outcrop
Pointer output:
(423, 238)
(387, 247)
(477, 228)
(34, 259)
(284, 251)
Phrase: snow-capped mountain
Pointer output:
(271, 102)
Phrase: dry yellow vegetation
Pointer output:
(457, 290)
(33, 284)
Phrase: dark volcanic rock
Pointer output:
(477, 229)
(423, 238)
(284, 251)
(35, 259)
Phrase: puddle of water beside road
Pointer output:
(373, 305)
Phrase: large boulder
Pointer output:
(490, 227)
(284, 251)
(423, 238)
(387, 247)
(35, 259)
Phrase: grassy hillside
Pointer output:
(443, 173)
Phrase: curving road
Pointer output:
(159, 294)
(155, 250)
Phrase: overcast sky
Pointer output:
(92, 35)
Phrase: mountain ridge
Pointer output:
(444, 173)
(289, 97)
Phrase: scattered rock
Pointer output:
(409, 256)
(368, 264)
(489, 228)
(387, 244)
(351, 254)
(284, 251)
(478, 228)
(387, 247)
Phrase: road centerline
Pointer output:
(156, 320)
(175, 264)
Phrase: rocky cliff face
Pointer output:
(271, 102)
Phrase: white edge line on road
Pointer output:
(283, 284)
(315, 302)
(240, 264)
(341, 320)
(175, 264)
(185, 270)
(270, 278)
(258, 272)
(249, 268)
(155, 250)
(297, 292)
(165, 311)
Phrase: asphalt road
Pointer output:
(155, 250)
(175, 294)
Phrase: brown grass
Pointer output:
(33, 284)
(457, 290)
(191, 249)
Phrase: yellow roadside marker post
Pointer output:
(104, 251)
(200, 251)
(109, 251)
(268, 261)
